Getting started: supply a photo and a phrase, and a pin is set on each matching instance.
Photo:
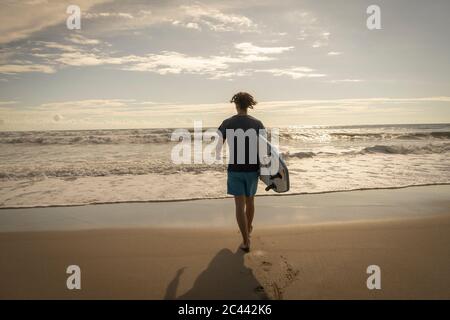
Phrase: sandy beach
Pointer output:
(319, 251)
(137, 138)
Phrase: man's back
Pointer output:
(244, 122)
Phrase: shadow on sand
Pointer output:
(226, 277)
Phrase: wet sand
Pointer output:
(322, 258)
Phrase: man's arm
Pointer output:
(221, 139)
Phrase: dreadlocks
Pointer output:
(244, 100)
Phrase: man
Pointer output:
(243, 169)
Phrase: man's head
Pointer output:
(243, 100)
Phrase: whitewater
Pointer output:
(46, 168)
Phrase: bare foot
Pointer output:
(245, 247)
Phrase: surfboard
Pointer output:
(274, 172)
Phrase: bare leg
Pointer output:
(241, 218)
(250, 212)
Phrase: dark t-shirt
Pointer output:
(243, 122)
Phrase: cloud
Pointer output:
(77, 51)
(96, 15)
(81, 59)
(231, 74)
(319, 44)
(217, 20)
(49, 56)
(79, 39)
(59, 46)
(322, 40)
(248, 48)
(169, 62)
(130, 113)
(21, 68)
(188, 25)
(303, 35)
(36, 2)
(20, 19)
(196, 16)
(293, 72)
(166, 62)
(334, 53)
(193, 25)
(351, 101)
(326, 35)
(7, 103)
(310, 28)
(88, 104)
(346, 80)
(173, 62)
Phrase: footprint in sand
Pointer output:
(274, 272)
(266, 265)
(259, 289)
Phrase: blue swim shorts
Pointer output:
(242, 183)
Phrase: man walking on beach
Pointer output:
(243, 169)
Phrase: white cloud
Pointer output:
(193, 25)
(80, 59)
(36, 2)
(334, 53)
(7, 103)
(293, 72)
(165, 62)
(21, 19)
(346, 80)
(318, 44)
(79, 53)
(248, 48)
(352, 101)
(231, 75)
(96, 15)
(173, 62)
(89, 104)
(303, 35)
(129, 113)
(197, 16)
(79, 39)
(59, 46)
(217, 20)
(322, 40)
(188, 25)
(21, 68)
(216, 67)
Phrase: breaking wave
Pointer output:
(380, 149)
(68, 172)
(441, 135)
(87, 137)
(163, 135)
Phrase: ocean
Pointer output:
(44, 168)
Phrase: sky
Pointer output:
(167, 63)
